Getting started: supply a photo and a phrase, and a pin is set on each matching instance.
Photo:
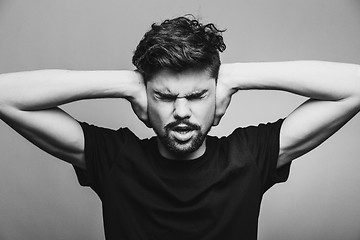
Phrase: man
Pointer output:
(181, 184)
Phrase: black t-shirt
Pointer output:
(216, 196)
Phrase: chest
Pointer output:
(191, 203)
(201, 192)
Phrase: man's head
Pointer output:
(179, 60)
(179, 44)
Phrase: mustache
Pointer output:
(189, 125)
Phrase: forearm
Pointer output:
(313, 79)
(43, 89)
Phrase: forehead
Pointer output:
(183, 82)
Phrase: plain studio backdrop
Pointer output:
(40, 197)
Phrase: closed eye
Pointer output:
(197, 96)
(165, 97)
(172, 97)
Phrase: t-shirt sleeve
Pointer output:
(263, 142)
(101, 148)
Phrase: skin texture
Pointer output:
(181, 110)
(29, 104)
(332, 89)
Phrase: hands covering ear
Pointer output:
(138, 101)
(224, 92)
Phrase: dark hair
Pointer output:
(179, 44)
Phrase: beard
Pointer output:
(178, 146)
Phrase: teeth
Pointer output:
(182, 129)
(182, 135)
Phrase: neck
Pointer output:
(176, 156)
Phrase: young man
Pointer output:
(181, 184)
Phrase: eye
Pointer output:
(165, 97)
(198, 96)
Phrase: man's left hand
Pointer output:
(224, 92)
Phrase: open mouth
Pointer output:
(183, 133)
(183, 128)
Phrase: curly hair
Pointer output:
(179, 44)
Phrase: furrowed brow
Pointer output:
(165, 94)
(197, 93)
(194, 94)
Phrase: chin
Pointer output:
(183, 149)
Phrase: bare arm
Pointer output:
(333, 90)
(29, 104)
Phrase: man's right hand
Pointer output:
(138, 100)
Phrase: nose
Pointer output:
(182, 108)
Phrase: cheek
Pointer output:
(205, 112)
(158, 115)
(210, 114)
(210, 105)
(154, 115)
(152, 109)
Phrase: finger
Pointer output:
(217, 119)
(216, 122)
(145, 119)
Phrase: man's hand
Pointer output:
(138, 100)
(224, 92)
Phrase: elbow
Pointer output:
(2, 105)
(357, 88)
(4, 94)
(353, 97)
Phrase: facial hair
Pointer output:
(183, 148)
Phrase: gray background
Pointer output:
(39, 195)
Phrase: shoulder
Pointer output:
(94, 133)
(252, 132)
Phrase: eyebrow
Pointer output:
(193, 94)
